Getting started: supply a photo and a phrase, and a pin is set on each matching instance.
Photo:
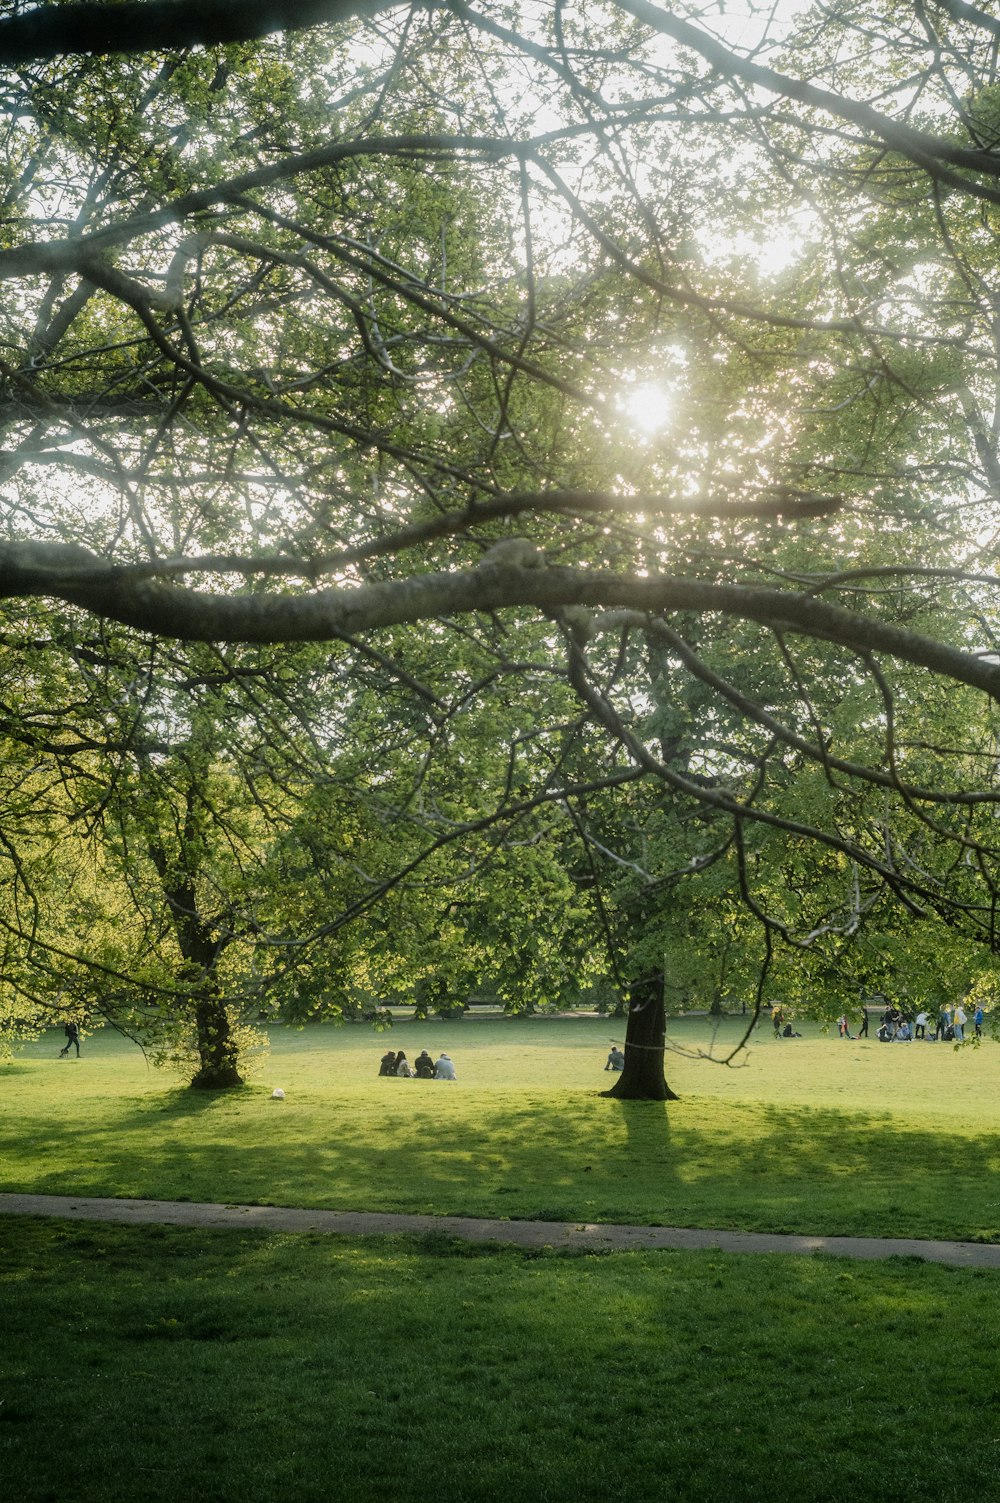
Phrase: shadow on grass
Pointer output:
(284, 1364)
(565, 1158)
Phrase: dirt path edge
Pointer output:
(558, 1235)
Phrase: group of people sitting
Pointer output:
(423, 1067)
(949, 1025)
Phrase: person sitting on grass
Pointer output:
(616, 1059)
(403, 1066)
(424, 1066)
(444, 1069)
(387, 1064)
(788, 1032)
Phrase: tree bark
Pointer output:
(217, 1053)
(642, 1078)
(217, 1049)
(70, 573)
(152, 25)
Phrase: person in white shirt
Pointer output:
(958, 1023)
(920, 1026)
(444, 1069)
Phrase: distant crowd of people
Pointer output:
(947, 1024)
(422, 1068)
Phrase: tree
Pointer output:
(441, 867)
(154, 790)
(305, 332)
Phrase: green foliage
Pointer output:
(340, 307)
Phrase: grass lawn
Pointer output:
(156, 1363)
(148, 1364)
(810, 1135)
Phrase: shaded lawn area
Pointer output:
(813, 1136)
(154, 1363)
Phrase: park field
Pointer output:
(813, 1135)
(147, 1364)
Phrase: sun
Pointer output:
(647, 406)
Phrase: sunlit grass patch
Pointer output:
(812, 1135)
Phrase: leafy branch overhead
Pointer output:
(626, 380)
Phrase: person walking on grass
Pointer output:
(72, 1032)
(863, 1030)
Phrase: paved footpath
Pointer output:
(559, 1235)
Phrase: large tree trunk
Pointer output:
(642, 1078)
(217, 1053)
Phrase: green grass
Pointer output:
(811, 1135)
(155, 1363)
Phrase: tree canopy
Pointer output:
(650, 351)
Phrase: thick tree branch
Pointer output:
(815, 750)
(70, 573)
(159, 25)
(960, 10)
(920, 147)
